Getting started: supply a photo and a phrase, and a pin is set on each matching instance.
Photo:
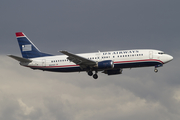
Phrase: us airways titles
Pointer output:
(121, 52)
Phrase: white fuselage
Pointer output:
(122, 59)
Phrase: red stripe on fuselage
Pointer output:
(64, 66)
(147, 60)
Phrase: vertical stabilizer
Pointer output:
(27, 48)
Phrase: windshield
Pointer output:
(161, 53)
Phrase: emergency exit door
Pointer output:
(44, 62)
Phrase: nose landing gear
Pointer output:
(155, 70)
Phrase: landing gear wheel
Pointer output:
(95, 76)
(155, 70)
(90, 73)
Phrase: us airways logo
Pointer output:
(27, 47)
(121, 52)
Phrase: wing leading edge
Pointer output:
(78, 60)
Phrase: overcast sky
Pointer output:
(81, 26)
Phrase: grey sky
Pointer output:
(88, 26)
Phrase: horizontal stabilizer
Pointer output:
(20, 59)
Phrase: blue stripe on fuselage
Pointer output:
(117, 65)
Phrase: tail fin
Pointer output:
(28, 49)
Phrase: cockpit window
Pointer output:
(161, 53)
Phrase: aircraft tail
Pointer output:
(27, 48)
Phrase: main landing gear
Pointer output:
(95, 76)
(90, 73)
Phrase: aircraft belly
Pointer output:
(136, 64)
(67, 69)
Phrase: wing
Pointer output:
(78, 59)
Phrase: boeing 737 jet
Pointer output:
(109, 62)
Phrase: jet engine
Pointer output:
(107, 64)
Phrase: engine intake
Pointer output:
(107, 64)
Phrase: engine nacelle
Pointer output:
(107, 64)
(113, 72)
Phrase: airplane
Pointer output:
(109, 62)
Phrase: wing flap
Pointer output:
(20, 59)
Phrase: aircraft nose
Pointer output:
(166, 58)
(169, 58)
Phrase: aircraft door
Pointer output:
(43, 62)
(150, 54)
(99, 55)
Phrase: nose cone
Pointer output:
(168, 58)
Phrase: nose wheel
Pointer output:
(155, 70)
